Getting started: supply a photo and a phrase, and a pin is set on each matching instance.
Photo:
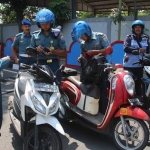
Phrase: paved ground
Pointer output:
(77, 137)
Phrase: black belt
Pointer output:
(48, 60)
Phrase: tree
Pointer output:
(61, 10)
(117, 17)
(18, 6)
(9, 16)
(82, 14)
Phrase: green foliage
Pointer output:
(61, 10)
(17, 5)
(116, 16)
(30, 12)
(82, 14)
(9, 15)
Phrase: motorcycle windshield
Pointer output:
(45, 71)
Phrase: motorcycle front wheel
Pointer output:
(48, 139)
(137, 134)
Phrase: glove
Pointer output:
(108, 50)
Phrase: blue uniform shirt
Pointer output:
(97, 42)
(22, 41)
(4, 62)
(50, 40)
(131, 44)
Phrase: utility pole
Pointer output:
(119, 22)
(135, 10)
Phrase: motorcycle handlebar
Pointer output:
(25, 66)
(138, 62)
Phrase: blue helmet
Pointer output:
(45, 15)
(138, 22)
(79, 29)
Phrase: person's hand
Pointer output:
(142, 50)
(108, 50)
(16, 61)
(8, 58)
(47, 53)
(89, 53)
(39, 48)
(79, 59)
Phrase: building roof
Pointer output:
(98, 6)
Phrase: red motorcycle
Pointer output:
(124, 117)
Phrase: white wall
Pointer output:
(126, 29)
(9, 31)
(97, 24)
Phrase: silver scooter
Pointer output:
(34, 106)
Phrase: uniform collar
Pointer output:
(25, 34)
(41, 32)
(93, 36)
(142, 35)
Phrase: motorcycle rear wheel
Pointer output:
(137, 138)
(48, 139)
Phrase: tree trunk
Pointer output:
(19, 19)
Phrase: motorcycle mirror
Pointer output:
(135, 52)
(31, 51)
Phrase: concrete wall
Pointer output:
(10, 30)
(97, 24)
(106, 26)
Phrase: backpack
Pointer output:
(92, 69)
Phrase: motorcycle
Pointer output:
(34, 106)
(145, 62)
(124, 117)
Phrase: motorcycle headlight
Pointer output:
(129, 84)
(37, 104)
(53, 107)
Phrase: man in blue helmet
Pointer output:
(21, 41)
(93, 43)
(49, 44)
(136, 41)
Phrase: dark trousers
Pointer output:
(26, 60)
(138, 74)
(1, 111)
(103, 84)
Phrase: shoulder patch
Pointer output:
(34, 32)
(19, 34)
(55, 30)
(104, 37)
(129, 35)
(144, 35)
(99, 33)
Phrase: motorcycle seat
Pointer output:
(75, 80)
(23, 76)
(94, 92)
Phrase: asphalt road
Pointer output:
(77, 137)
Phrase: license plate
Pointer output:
(46, 87)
